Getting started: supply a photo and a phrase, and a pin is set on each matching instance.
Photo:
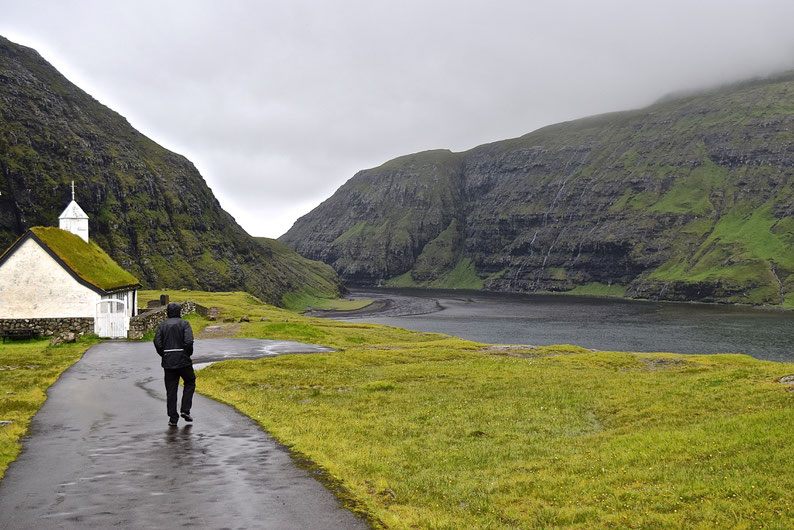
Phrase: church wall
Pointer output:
(34, 285)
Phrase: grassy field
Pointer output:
(238, 304)
(27, 369)
(429, 431)
(300, 302)
(424, 430)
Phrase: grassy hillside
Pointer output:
(310, 282)
(688, 199)
(148, 208)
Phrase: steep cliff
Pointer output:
(688, 199)
(149, 208)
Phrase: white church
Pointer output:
(57, 273)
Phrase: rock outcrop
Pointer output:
(688, 199)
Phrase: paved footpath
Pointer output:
(101, 454)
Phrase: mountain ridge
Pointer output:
(686, 199)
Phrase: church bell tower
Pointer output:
(74, 219)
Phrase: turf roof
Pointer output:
(86, 260)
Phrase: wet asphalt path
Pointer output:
(101, 455)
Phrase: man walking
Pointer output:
(174, 343)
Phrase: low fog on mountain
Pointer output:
(279, 103)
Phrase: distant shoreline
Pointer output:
(373, 308)
(384, 304)
(607, 324)
(388, 302)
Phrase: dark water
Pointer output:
(600, 323)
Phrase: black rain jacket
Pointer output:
(173, 339)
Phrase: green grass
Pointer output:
(26, 371)
(462, 276)
(357, 229)
(237, 304)
(741, 250)
(690, 194)
(599, 289)
(233, 304)
(342, 304)
(429, 431)
(438, 256)
(313, 277)
(301, 301)
(403, 280)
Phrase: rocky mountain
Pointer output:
(149, 208)
(688, 199)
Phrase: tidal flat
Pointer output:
(609, 324)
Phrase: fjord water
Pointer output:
(599, 323)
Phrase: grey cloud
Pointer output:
(279, 103)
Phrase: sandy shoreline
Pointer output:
(386, 304)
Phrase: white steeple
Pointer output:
(74, 220)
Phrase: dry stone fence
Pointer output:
(48, 327)
(148, 320)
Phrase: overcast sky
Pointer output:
(278, 103)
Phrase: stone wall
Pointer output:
(139, 325)
(47, 327)
(148, 320)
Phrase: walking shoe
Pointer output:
(187, 416)
(172, 423)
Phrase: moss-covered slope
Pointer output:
(149, 208)
(302, 277)
(688, 199)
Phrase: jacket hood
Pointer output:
(173, 310)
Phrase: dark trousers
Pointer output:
(172, 385)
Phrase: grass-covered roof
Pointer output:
(86, 260)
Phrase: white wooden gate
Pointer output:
(109, 323)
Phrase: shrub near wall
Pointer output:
(47, 327)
